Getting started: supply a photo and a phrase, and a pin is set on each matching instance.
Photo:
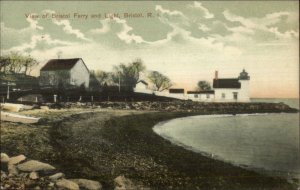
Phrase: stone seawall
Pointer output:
(185, 106)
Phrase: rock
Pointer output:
(44, 108)
(67, 184)
(33, 165)
(33, 175)
(4, 158)
(51, 184)
(12, 170)
(37, 188)
(56, 176)
(23, 175)
(88, 184)
(122, 183)
(16, 159)
(3, 175)
(6, 186)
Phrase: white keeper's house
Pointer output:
(224, 90)
(232, 89)
(66, 72)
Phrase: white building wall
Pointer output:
(171, 95)
(142, 88)
(228, 93)
(53, 78)
(201, 97)
(178, 96)
(80, 75)
(242, 93)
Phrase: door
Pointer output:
(235, 95)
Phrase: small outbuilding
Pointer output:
(203, 96)
(142, 87)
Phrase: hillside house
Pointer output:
(66, 72)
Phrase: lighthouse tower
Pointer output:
(244, 79)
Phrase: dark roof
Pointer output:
(60, 64)
(144, 82)
(244, 75)
(226, 83)
(201, 92)
(176, 90)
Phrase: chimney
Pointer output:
(216, 75)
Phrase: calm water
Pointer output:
(264, 142)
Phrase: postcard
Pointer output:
(149, 95)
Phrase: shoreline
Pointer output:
(102, 145)
(289, 175)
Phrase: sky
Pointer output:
(185, 40)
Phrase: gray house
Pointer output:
(66, 72)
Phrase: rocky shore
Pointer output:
(113, 144)
(183, 106)
(19, 172)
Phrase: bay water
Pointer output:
(268, 143)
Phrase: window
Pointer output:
(223, 95)
(195, 95)
(207, 96)
(235, 95)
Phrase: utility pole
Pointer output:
(7, 91)
(119, 82)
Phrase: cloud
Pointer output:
(203, 28)
(34, 24)
(172, 17)
(205, 12)
(168, 12)
(67, 26)
(261, 29)
(14, 37)
(235, 18)
(124, 33)
(69, 29)
(45, 40)
(105, 27)
(119, 28)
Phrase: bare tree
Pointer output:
(103, 77)
(17, 63)
(160, 81)
(129, 74)
(29, 64)
(4, 63)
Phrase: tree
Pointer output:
(28, 64)
(4, 63)
(160, 81)
(17, 63)
(103, 77)
(129, 74)
(203, 85)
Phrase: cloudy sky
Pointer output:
(187, 41)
